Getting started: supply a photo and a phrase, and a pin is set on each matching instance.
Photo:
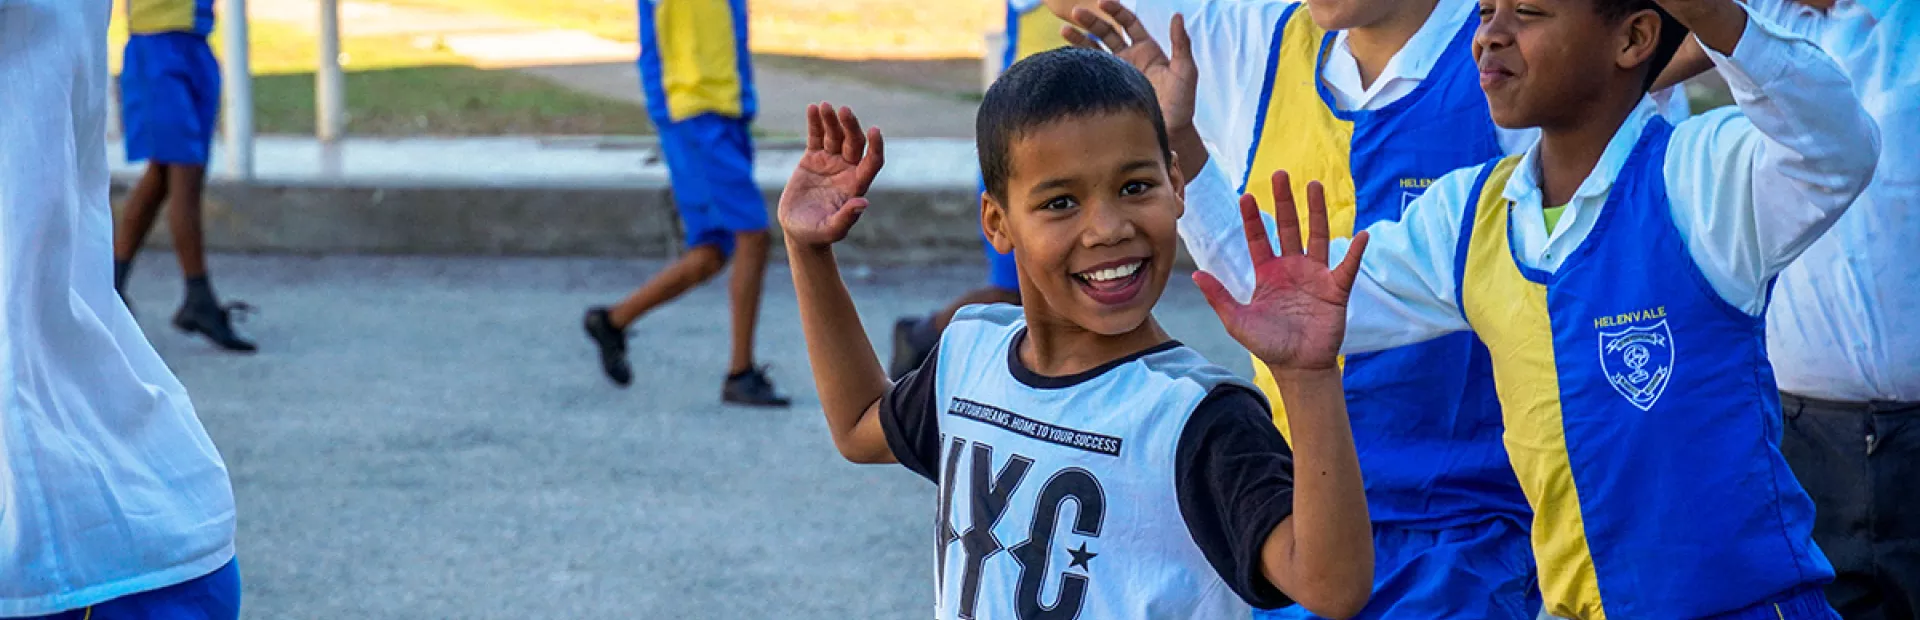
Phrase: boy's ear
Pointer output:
(993, 222)
(1639, 35)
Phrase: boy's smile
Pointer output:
(1090, 212)
(1114, 282)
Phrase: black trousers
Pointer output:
(1861, 464)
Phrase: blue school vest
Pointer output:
(694, 59)
(1641, 412)
(156, 16)
(1425, 417)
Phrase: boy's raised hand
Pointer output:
(1174, 78)
(827, 192)
(1297, 316)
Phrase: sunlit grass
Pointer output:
(842, 29)
(396, 87)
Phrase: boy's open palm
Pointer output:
(1174, 78)
(827, 192)
(1297, 316)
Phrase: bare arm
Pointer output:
(1322, 555)
(821, 202)
(1688, 62)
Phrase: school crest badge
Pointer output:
(1638, 361)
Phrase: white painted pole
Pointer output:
(330, 88)
(238, 70)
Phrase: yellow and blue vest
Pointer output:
(157, 16)
(694, 59)
(1641, 412)
(1034, 31)
(1425, 417)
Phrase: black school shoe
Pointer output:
(215, 321)
(613, 345)
(913, 340)
(751, 387)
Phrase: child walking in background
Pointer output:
(169, 100)
(698, 77)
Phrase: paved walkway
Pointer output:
(431, 438)
(524, 162)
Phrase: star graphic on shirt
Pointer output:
(1080, 556)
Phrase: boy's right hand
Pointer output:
(1174, 78)
(1297, 316)
(827, 192)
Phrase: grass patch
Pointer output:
(611, 19)
(847, 29)
(398, 88)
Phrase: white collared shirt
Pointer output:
(108, 484)
(1750, 188)
(1845, 319)
(1232, 42)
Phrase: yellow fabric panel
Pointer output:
(151, 16)
(1264, 380)
(700, 68)
(1301, 136)
(1509, 313)
(1039, 32)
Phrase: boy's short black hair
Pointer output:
(1050, 86)
(1672, 33)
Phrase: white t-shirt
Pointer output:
(108, 484)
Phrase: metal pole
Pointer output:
(330, 88)
(239, 79)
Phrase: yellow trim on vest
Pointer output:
(1039, 32)
(699, 66)
(1509, 313)
(1301, 136)
(153, 16)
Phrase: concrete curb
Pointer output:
(906, 226)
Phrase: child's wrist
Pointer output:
(799, 249)
(1305, 379)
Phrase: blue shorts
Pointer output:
(169, 98)
(1480, 570)
(214, 596)
(710, 162)
(1002, 272)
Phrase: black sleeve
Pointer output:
(1234, 475)
(911, 420)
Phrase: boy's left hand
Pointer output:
(827, 192)
(1297, 316)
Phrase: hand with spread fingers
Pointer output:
(827, 192)
(1174, 77)
(1297, 316)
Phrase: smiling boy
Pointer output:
(1184, 496)
(1618, 272)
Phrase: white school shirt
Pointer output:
(1232, 47)
(1232, 44)
(108, 484)
(1750, 188)
(1845, 319)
